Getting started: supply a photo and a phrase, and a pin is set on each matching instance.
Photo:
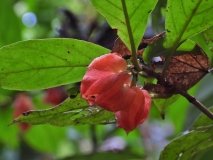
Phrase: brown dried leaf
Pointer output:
(184, 71)
(120, 48)
(187, 70)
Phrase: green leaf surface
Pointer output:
(10, 30)
(138, 13)
(70, 112)
(202, 120)
(163, 104)
(185, 19)
(188, 145)
(39, 64)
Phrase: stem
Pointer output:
(132, 43)
(177, 42)
(190, 98)
(134, 80)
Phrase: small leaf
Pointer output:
(186, 146)
(70, 112)
(186, 20)
(202, 120)
(163, 104)
(138, 13)
(39, 64)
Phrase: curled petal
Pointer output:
(119, 101)
(109, 62)
(136, 113)
(102, 89)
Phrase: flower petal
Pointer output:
(136, 113)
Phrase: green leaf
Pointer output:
(10, 29)
(185, 19)
(163, 104)
(70, 112)
(138, 13)
(188, 145)
(39, 64)
(202, 120)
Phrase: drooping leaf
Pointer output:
(189, 144)
(138, 13)
(10, 29)
(202, 120)
(70, 112)
(163, 104)
(208, 35)
(185, 19)
(39, 64)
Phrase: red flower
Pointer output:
(22, 104)
(107, 84)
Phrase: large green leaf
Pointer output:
(138, 13)
(185, 19)
(38, 64)
(70, 112)
(10, 30)
(188, 145)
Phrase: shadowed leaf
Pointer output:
(70, 112)
(39, 64)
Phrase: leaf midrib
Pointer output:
(44, 68)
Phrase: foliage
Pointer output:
(31, 65)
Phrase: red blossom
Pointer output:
(22, 104)
(107, 84)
